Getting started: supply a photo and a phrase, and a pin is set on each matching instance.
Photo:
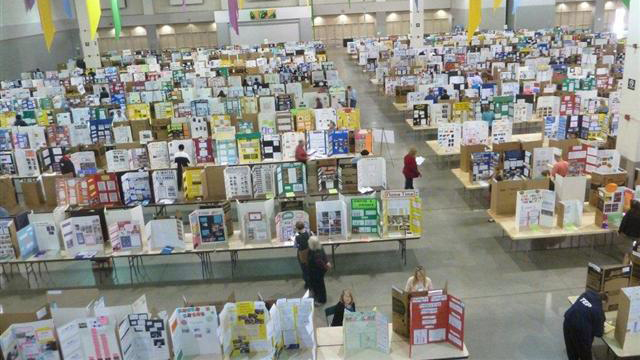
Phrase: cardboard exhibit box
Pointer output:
(599, 180)
(401, 316)
(49, 188)
(32, 193)
(8, 200)
(465, 155)
(503, 193)
(212, 179)
(564, 145)
(610, 280)
(635, 269)
(627, 331)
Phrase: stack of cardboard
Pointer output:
(609, 280)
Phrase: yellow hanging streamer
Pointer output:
(240, 4)
(496, 4)
(475, 17)
(94, 12)
(46, 20)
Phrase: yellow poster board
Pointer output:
(348, 118)
(138, 112)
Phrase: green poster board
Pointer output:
(365, 216)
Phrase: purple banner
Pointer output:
(233, 15)
(28, 4)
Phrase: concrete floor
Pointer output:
(514, 300)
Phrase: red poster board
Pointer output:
(436, 318)
(577, 159)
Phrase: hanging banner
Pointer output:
(115, 11)
(233, 15)
(240, 4)
(262, 14)
(516, 4)
(184, 5)
(496, 4)
(475, 17)
(626, 3)
(46, 20)
(28, 4)
(67, 8)
(94, 12)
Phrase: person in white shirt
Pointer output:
(419, 281)
(182, 159)
(352, 96)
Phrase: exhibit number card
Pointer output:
(436, 318)
(365, 330)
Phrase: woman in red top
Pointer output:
(410, 170)
(301, 153)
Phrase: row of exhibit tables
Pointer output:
(33, 265)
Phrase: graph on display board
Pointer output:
(237, 180)
(194, 332)
(437, 318)
(142, 337)
(501, 131)
(449, 136)
(365, 216)
(365, 330)
(475, 133)
(207, 227)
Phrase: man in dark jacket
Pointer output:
(582, 322)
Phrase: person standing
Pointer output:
(630, 226)
(582, 322)
(301, 243)
(561, 167)
(182, 159)
(346, 303)
(410, 170)
(66, 166)
(104, 95)
(352, 96)
(419, 281)
(301, 152)
(318, 267)
(445, 95)
(19, 121)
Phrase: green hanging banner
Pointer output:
(115, 11)
(626, 3)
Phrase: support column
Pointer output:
(598, 17)
(628, 142)
(416, 30)
(90, 49)
(381, 23)
(152, 37)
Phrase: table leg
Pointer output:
(333, 255)
(234, 261)
(402, 243)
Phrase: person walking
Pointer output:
(410, 170)
(352, 96)
(630, 227)
(346, 303)
(318, 267)
(582, 322)
(301, 243)
(301, 152)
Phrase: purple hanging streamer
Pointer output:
(233, 15)
(28, 4)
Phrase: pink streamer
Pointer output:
(184, 5)
(233, 15)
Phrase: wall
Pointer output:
(22, 46)
(535, 14)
